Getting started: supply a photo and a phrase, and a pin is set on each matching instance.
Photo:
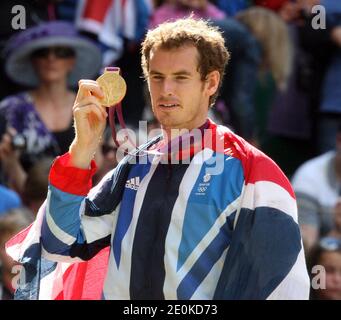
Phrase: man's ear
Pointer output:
(212, 82)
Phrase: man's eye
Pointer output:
(181, 78)
(157, 77)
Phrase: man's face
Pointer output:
(179, 97)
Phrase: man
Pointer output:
(219, 223)
(317, 184)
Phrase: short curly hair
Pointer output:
(213, 55)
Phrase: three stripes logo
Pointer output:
(133, 183)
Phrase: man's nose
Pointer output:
(168, 87)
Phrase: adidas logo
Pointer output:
(133, 183)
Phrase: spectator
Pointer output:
(35, 187)
(51, 58)
(291, 133)
(275, 66)
(35, 13)
(272, 33)
(181, 8)
(330, 109)
(317, 184)
(8, 199)
(336, 231)
(235, 104)
(327, 253)
(10, 224)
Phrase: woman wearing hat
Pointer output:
(50, 58)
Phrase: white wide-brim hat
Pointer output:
(20, 47)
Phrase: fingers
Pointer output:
(87, 101)
(88, 88)
(89, 110)
(90, 105)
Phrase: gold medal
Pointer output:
(113, 86)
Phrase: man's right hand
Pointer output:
(90, 121)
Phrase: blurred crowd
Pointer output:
(281, 92)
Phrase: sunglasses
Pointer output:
(58, 52)
(330, 244)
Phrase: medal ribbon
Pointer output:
(118, 109)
